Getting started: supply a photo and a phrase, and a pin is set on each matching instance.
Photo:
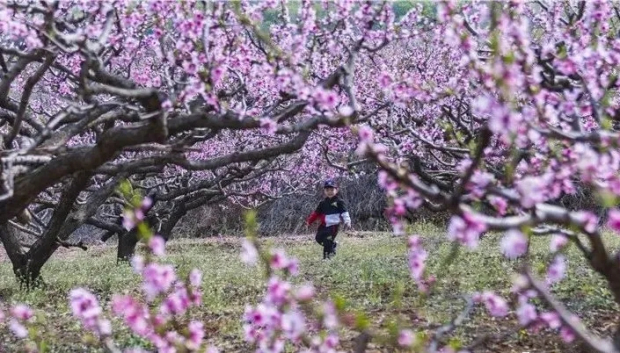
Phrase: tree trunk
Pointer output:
(63, 223)
(27, 274)
(175, 216)
(127, 241)
(126, 246)
(27, 266)
(107, 235)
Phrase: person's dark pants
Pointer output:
(326, 236)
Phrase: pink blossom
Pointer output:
(216, 74)
(129, 221)
(331, 341)
(413, 200)
(513, 244)
(157, 279)
(566, 66)
(293, 267)
(258, 316)
(277, 291)
(278, 260)
(532, 191)
(138, 215)
(104, 327)
(499, 204)
(567, 334)
(556, 269)
(135, 314)
(526, 313)
(588, 219)
(137, 263)
(398, 208)
(557, 242)
(249, 255)
(345, 110)
(195, 278)
(552, 319)
(305, 293)
(157, 244)
(172, 338)
(417, 258)
(176, 303)
(196, 335)
(120, 303)
(385, 80)
(365, 133)
(146, 203)
(613, 221)
(406, 338)
(414, 242)
(330, 320)
(495, 304)
(190, 67)
(466, 230)
(85, 306)
(22, 312)
(325, 99)
(269, 126)
(195, 296)
(293, 324)
(18, 329)
(502, 120)
(478, 183)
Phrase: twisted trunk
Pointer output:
(65, 220)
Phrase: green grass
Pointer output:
(367, 272)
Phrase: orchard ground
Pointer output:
(368, 271)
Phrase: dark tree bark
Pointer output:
(178, 211)
(110, 228)
(107, 235)
(45, 246)
(65, 220)
(127, 242)
(83, 158)
(14, 251)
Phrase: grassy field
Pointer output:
(367, 271)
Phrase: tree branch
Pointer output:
(568, 319)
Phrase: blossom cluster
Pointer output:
(280, 318)
(160, 316)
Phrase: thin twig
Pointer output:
(452, 325)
